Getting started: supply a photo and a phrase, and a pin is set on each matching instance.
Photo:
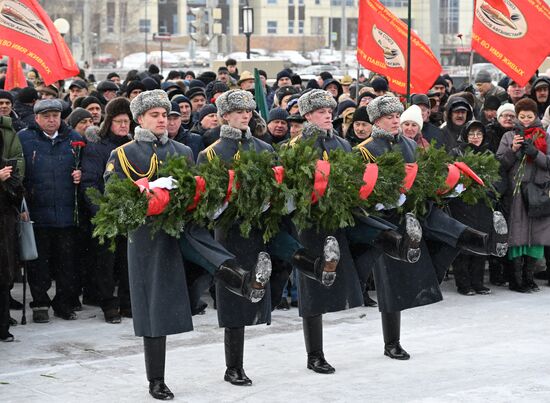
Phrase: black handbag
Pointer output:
(536, 197)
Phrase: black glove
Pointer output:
(529, 148)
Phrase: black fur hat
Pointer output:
(115, 107)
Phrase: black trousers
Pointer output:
(468, 271)
(56, 259)
(112, 267)
(4, 310)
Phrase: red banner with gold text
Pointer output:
(28, 34)
(382, 48)
(513, 35)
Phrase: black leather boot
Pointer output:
(516, 276)
(321, 269)
(247, 284)
(474, 241)
(404, 247)
(234, 351)
(313, 336)
(529, 274)
(154, 349)
(391, 328)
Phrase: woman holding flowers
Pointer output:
(524, 155)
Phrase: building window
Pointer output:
(123, 16)
(317, 2)
(350, 2)
(144, 25)
(290, 2)
(300, 27)
(448, 24)
(395, 3)
(110, 17)
(317, 26)
(290, 26)
(271, 1)
(272, 27)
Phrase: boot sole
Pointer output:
(262, 270)
(499, 223)
(331, 257)
(413, 229)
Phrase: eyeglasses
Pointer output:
(477, 133)
(121, 122)
(508, 116)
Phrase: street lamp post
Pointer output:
(248, 26)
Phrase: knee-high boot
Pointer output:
(391, 329)
(516, 276)
(234, 352)
(402, 246)
(154, 349)
(247, 284)
(313, 336)
(529, 273)
(321, 269)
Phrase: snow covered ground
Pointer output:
(491, 348)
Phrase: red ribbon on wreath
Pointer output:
(453, 176)
(370, 176)
(320, 181)
(411, 169)
(230, 185)
(200, 188)
(157, 198)
(466, 170)
(279, 172)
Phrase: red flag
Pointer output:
(28, 34)
(15, 77)
(382, 48)
(513, 35)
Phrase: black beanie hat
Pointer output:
(282, 74)
(325, 75)
(379, 84)
(284, 91)
(491, 103)
(150, 84)
(296, 80)
(345, 104)
(364, 95)
(207, 110)
(27, 95)
(6, 95)
(440, 81)
(135, 85)
(181, 98)
(195, 91)
(88, 101)
(361, 115)
(196, 83)
(215, 87)
(77, 115)
(153, 69)
(277, 114)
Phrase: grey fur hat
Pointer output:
(382, 106)
(235, 100)
(315, 99)
(149, 100)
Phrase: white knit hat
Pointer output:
(414, 114)
(507, 107)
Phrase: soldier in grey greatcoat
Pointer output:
(158, 290)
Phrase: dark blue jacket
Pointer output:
(48, 181)
(191, 139)
(94, 160)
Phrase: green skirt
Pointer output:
(535, 251)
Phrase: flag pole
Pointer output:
(409, 53)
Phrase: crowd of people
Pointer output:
(58, 141)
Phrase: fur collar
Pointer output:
(147, 136)
(228, 132)
(378, 133)
(311, 130)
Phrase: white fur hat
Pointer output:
(507, 107)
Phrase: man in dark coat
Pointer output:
(540, 93)
(457, 113)
(50, 180)
(178, 133)
(24, 103)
